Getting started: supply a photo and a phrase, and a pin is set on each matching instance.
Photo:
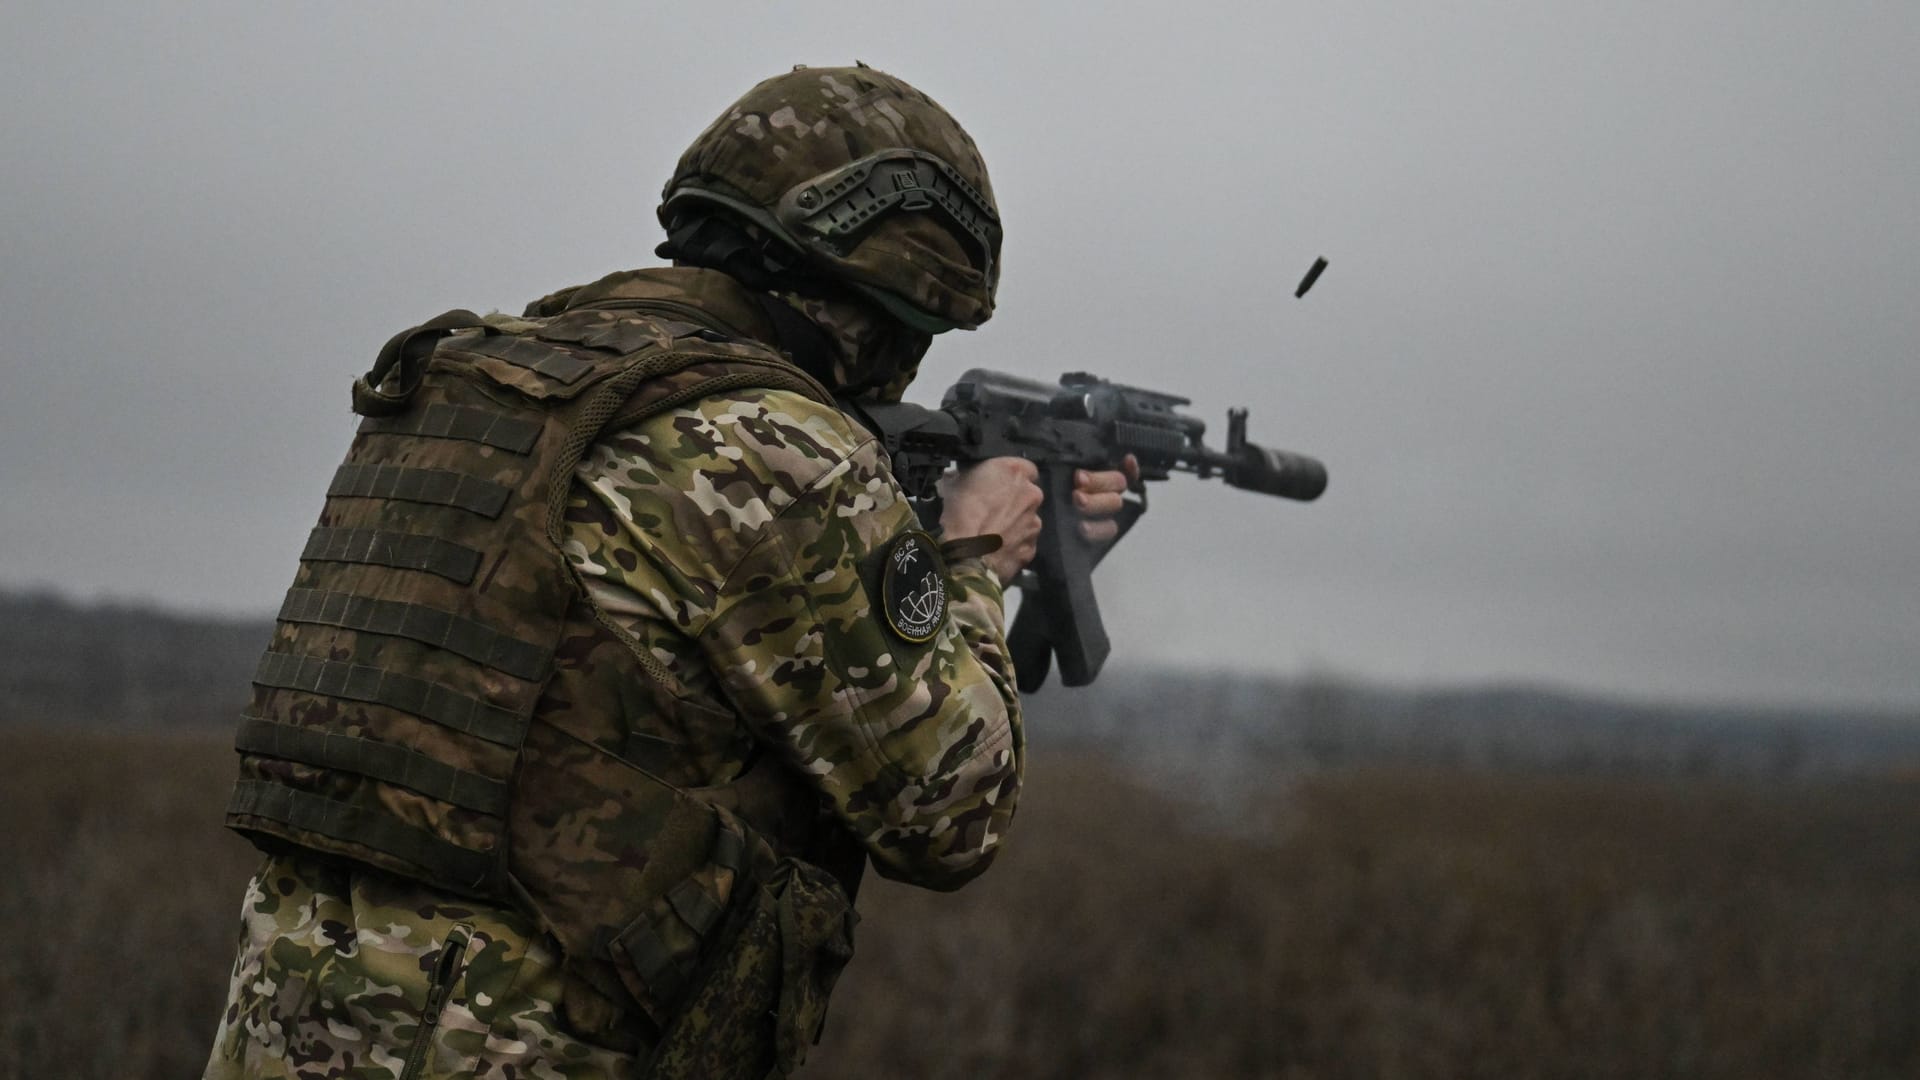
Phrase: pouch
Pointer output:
(760, 1000)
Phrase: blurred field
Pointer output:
(1354, 924)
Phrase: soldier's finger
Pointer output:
(1107, 480)
(1099, 532)
(1130, 465)
(1104, 504)
(1020, 467)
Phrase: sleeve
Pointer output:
(758, 524)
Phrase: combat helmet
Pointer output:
(853, 176)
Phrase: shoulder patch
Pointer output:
(913, 587)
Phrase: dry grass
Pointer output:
(1414, 925)
(122, 903)
(1370, 924)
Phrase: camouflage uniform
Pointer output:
(332, 981)
(727, 538)
(725, 544)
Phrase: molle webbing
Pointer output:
(440, 487)
(423, 631)
(383, 761)
(403, 551)
(439, 421)
(623, 335)
(362, 826)
(418, 622)
(534, 356)
(665, 968)
(376, 686)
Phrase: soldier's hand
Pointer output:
(1001, 496)
(1097, 496)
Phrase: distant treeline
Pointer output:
(1248, 730)
(67, 665)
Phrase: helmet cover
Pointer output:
(875, 184)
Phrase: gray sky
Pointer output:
(1614, 368)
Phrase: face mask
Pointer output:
(877, 355)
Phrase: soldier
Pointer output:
(618, 652)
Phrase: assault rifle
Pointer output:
(1085, 422)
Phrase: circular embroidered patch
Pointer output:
(913, 590)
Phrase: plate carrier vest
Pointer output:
(440, 700)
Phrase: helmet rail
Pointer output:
(837, 206)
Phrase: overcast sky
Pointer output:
(1614, 369)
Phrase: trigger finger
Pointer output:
(1099, 532)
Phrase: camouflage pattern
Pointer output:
(735, 538)
(789, 947)
(389, 714)
(333, 977)
(724, 643)
(799, 125)
(876, 358)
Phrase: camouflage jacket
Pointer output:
(727, 539)
(730, 537)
